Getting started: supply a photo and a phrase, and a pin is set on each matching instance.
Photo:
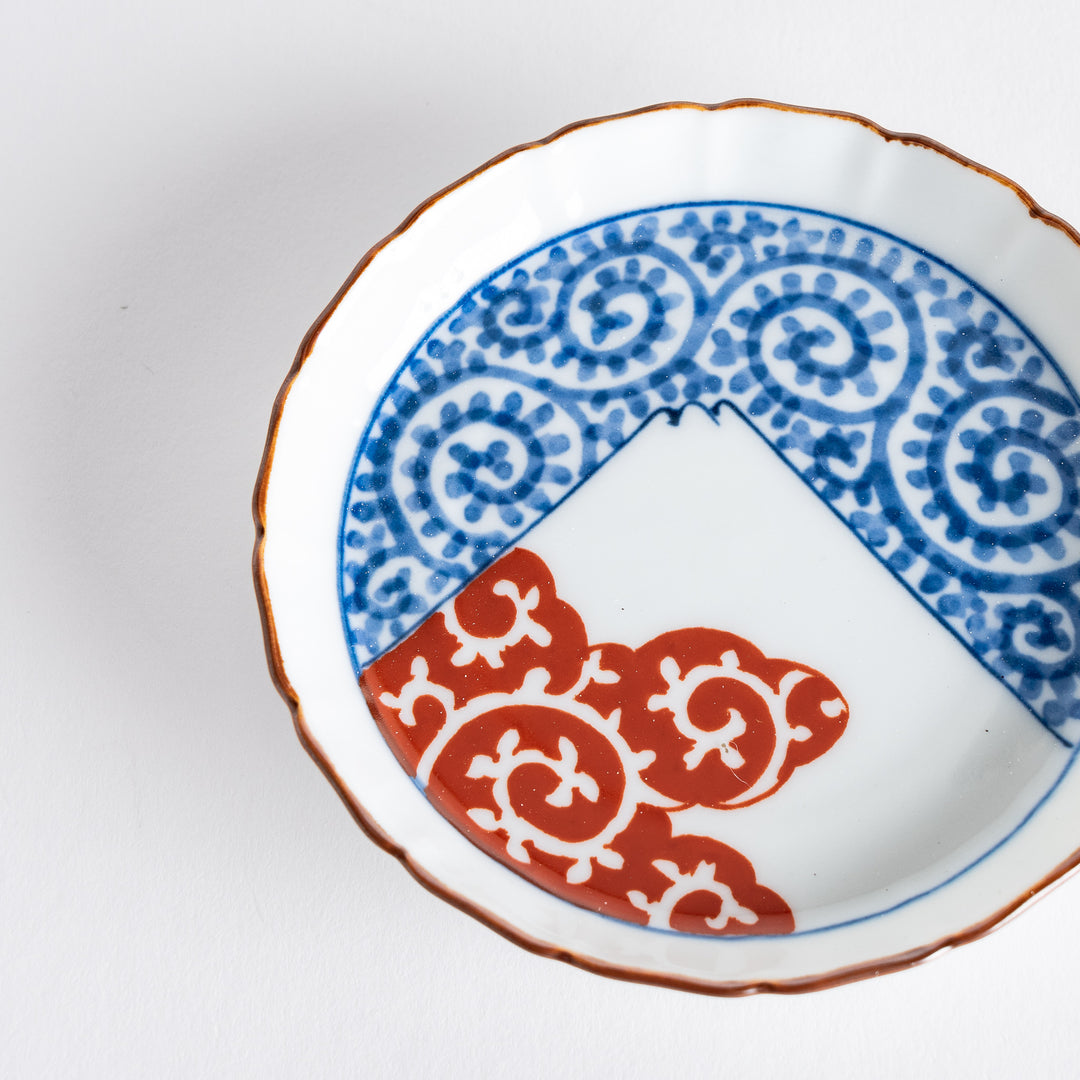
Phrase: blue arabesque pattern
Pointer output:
(913, 403)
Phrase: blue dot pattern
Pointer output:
(923, 413)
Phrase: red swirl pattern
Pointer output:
(565, 760)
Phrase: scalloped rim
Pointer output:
(281, 681)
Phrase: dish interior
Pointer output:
(712, 567)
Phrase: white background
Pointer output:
(183, 188)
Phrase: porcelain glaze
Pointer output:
(672, 553)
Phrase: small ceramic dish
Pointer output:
(669, 544)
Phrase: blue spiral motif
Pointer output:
(911, 401)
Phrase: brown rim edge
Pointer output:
(281, 681)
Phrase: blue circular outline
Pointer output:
(673, 414)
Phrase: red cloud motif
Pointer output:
(564, 760)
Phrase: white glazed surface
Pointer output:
(938, 765)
